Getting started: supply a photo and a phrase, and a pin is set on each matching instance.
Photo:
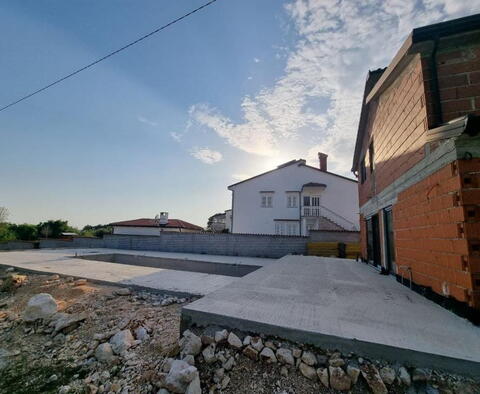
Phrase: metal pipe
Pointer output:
(409, 269)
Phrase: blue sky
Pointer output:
(168, 124)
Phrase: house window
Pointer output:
(286, 228)
(315, 201)
(267, 200)
(291, 201)
(306, 201)
(363, 171)
(371, 157)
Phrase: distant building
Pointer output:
(218, 223)
(417, 157)
(293, 199)
(155, 226)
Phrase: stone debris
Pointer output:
(388, 375)
(308, 358)
(40, 306)
(126, 353)
(234, 341)
(339, 380)
(80, 282)
(308, 371)
(104, 353)
(373, 378)
(124, 291)
(221, 336)
(190, 344)
(404, 376)
(250, 352)
(285, 356)
(121, 341)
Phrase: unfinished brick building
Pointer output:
(417, 156)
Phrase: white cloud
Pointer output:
(256, 60)
(176, 136)
(206, 155)
(241, 177)
(338, 41)
(143, 119)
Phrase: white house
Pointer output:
(161, 223)
(293, 199)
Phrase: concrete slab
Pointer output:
(60, 261)
(342, 304)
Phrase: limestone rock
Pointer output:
(250, 352)
(121, 341)
(268, 355)
(336, 362)
(67, 323)
(209, 354)
(404, 376)
(284, 371)
(234, 341)
(80, 282)
(40, 306)
(104, 353)
(225, 382)
(207, 339)
(221, 336)
(189, 359)
(420, 375)
(309, 358)
(256, 343)
(285, 356)
(194, 386)
(308, 371)
(373, 378)
(180, 376)
(246, 340)
(353, 372)
(322, 374)
(228, 364)
(297, 353)
(388, 375)
(339, 380)
(124, 291)
(218, 375)
(190, 344)
(141, 334)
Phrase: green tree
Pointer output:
(53, 228)
(24, 232)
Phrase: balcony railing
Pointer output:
(311, 211)
(329, 214)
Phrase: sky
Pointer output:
(168, 124)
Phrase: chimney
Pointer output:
(322, 158)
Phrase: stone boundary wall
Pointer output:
(17, 245)
(250, 245)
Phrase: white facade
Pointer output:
(292, 199)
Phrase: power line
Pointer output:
(107, 56)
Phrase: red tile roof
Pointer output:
(144, 222)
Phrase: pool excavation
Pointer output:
(205, 267)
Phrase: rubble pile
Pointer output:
(66, 335)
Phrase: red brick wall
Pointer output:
(397, 124)
(458, 70)
(437, 226)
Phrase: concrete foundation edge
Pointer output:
(394, 355)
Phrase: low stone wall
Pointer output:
(17, 245)
(273, 246)
(77, 242)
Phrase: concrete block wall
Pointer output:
(436, 233)
(272, 246)
(16, 245)
(77, 242)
